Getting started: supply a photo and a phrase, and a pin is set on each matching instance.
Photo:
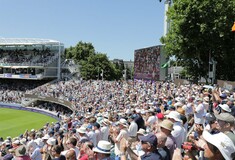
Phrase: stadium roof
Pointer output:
(27, 41)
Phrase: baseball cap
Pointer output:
(223, 96)
(160, 116)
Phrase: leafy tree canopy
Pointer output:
(80, 52)
(199, 28)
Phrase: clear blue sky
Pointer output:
(114, 27)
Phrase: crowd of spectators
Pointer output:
(12, 91)
(26, 57)
(132, 120)
(60, 110)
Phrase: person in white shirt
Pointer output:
(122, 134)
(91, 134)
(105, 129)
(151, 120)
(96, 128)
(179, 132)
(133, 128)
(199, 111)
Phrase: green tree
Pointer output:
(199, 28)
(92, 68)
(80, 52)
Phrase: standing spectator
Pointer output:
(105, 129)
(166, 127)
(34, 151)
(133, 128)
(71, 144)
(96, 128)
(139, 120)
(225, 123)
(122, 134)
(91, 134)
(70, 155)
(102, 151)
(198, 112)
(178, 132)
(149, 146)
(162, 149)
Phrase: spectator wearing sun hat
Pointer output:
(82, 133)
(123, 125)
(225, 123)
(103, 150)
(199, 111)
(105, 129)
(225, 149)
(178, 132)
(21, 153)
(211, 124)
(166, 127)
(225, 108)
(47, 148)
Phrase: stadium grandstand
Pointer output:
(29, 63)
(30, 58)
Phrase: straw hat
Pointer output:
(141, 132)
(181, 111)
(167, 124)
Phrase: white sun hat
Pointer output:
(222, 142)
(46, 136)
(174, 115)
(103, 147)
(81, 130)
(51, 141)
(39, 142)
(225, 107)
(123, 122)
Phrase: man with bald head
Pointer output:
(162, 149)
(70, 155)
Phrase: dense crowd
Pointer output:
(14, 93)
(132, 120)
(26, 57)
